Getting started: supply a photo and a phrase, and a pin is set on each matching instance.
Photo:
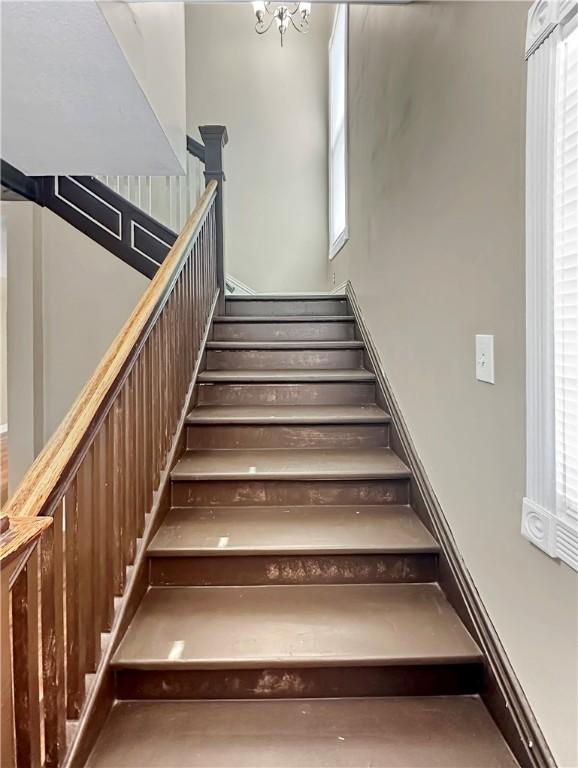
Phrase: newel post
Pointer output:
(214, 138)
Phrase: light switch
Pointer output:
(485, 358)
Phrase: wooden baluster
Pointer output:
(133, 461)
(185, 324)
(165, 373)
(175, 333)
(103, 547)
(187, 317)
(178, 341)
(170, 369)
(53, 675)
(97, 539)
(183, 314)
(196, 303)
(109, 535)
(156, 381)
(7, 742)
(139, 446)
(183, 334)
(75, 639)
(118, 521)
(95, 582)
(25, 654)
(88, 632)
(154, 406)
(176, 366)
(128, 470)
(162, 399)
(146, 422)
(191, 309)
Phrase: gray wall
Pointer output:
(274, 104)
(67, 300)
(436, 255)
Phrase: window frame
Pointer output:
(336, 245)
(543, 523)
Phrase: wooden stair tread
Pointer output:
(280, 375)
(284, 319)
(288, 414)
(287, 463)
(281, 626)
(303, 344)
(425, 732)
(291, 530)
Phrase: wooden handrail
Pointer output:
(44, 482)
(19, 535)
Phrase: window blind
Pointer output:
(565, 218)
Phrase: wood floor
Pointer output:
(293, 615)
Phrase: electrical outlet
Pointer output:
(485, 358)
(334, 278)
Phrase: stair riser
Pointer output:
(281, 436)
(282, 359)
(289, 308)
(328, 682)
(290, 492)
(346, 393)
(276, 569)
(331, 331)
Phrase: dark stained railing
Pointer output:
(134, 233)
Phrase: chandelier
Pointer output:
(297, 15)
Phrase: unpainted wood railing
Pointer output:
(74, 522)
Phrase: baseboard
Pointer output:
(502, 692)
(341, 288)
(235, 287)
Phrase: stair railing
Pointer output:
(167, 199)
(134, 217)
(73, 526)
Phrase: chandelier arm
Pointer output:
(295, 9)
(263, 28)
(303, 26)
(268, 8)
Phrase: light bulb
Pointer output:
(304, 10)
(259, 9)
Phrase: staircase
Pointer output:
(292, 616)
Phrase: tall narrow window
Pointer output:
(338, 232)
(550, 510)
(566, 273)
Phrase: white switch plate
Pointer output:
(485, 358)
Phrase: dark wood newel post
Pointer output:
(214, 138)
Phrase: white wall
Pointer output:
(20, 226)
(152, 37)
(273, 101)
(71, 103)
(436, 255)
(67, 300)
